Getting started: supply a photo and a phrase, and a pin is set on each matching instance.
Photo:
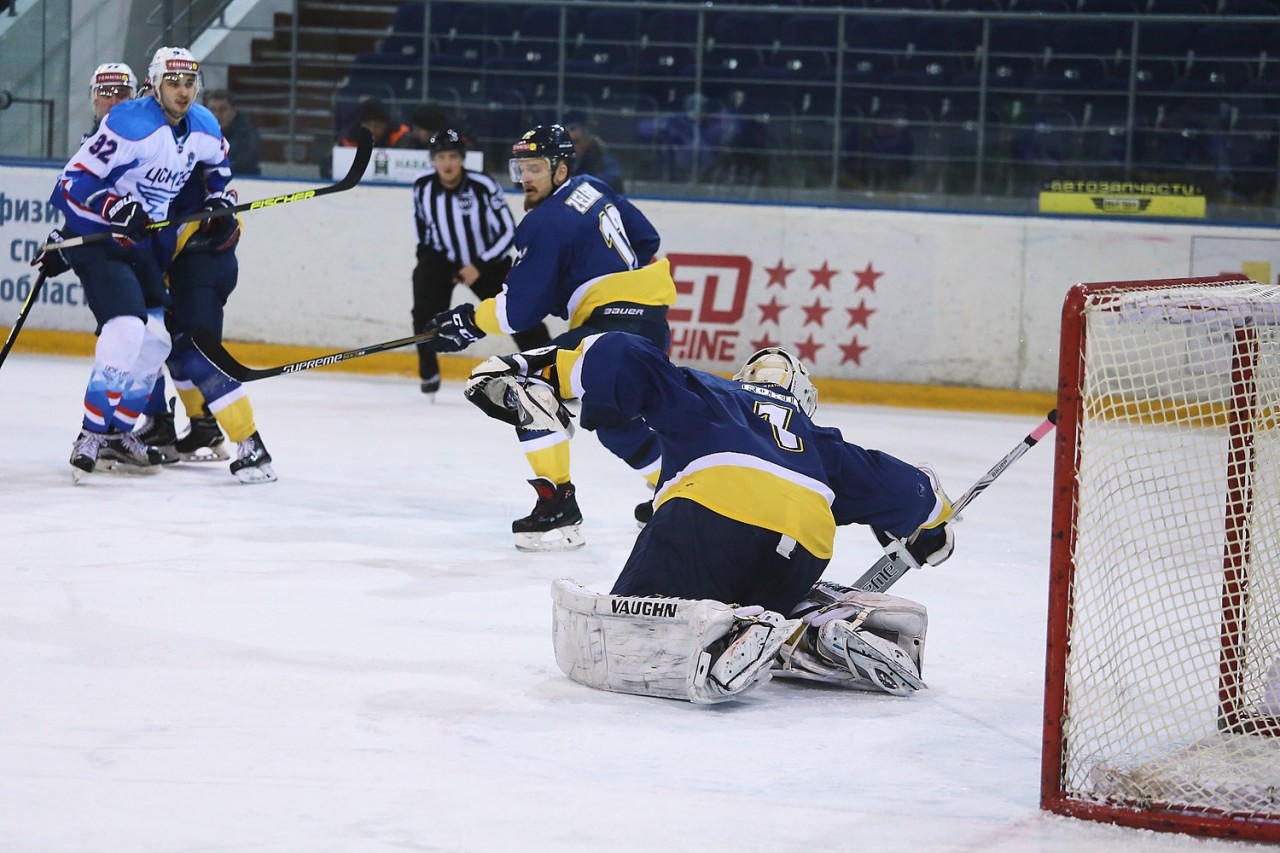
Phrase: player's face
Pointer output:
(176, 94)
(448, 166)
(535, 180)
(106, 97)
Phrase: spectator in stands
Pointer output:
(428, 119)
(238, 130)
(373, 115)
(689, 142)
(592, 155)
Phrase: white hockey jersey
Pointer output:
(136, 151)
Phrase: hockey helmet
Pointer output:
(447, 140)
(113, 75)
(172, 60)
(550, 142)
(776, 366)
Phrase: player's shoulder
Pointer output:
(135, 120)
(425, 178)
(201, 120)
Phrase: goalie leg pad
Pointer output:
(698, 651)
(874, 659)
(897, 619)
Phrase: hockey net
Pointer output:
(1163, 682)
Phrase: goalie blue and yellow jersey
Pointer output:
(136, 151)
(582, 248)
(746, 451)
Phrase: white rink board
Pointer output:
(926, 298)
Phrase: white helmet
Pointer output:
(172, 60)
(113, 74)
(776, 366)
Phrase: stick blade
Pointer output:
(211, 348)
(364, 152)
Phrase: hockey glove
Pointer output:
(455, 329)
(127, 217)
(223, 229)
(52, 262)
(930, 546)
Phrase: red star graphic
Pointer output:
(766, 341)
(770, 312)
(778, 275)
(814, 313)
(807, 350)
(867, 278)
(822, 276)
(859, 316)
(853, 352)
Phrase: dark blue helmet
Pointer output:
(548, 141)
(447, 140)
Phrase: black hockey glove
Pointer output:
(455, 329)
(927, 547)
(52, 262)
(127, 217)
(221, 231)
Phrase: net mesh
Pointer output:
(1172, 679)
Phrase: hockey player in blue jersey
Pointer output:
(118, 182)
(586, 255)
(750, 495)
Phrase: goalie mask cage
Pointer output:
(1162, 699)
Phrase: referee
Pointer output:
(465, 231)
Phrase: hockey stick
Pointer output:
(226, 362)
(364, 150)
(889, 568)
(22, 317)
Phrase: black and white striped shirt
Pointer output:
(468, 225)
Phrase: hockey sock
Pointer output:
(146, 369)
(117, 349)
(548, 456)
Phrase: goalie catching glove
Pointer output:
(502, 388)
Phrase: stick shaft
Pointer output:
(891, 567)
(226, 362)
(22, 317)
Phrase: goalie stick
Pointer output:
(364, 150)
(889, 568)
(22, 317)
(226, 362)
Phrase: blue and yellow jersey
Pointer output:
(747, 451)
(582, 248)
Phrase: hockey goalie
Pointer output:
(721, 590)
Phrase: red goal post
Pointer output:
(1162, 689)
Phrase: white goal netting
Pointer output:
(1172, 668)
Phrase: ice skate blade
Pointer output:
(255, 475)
(116, 466)
(561, 539)
(206, 454)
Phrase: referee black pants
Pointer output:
(433, 292)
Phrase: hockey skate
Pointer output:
(554, 523)
(253, 462)
(125, 453)
(84, 453)
(430, 386)
(159, 432)
(644, 512)
(202, 442)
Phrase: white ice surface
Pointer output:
(356, 658)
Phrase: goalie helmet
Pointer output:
(113, 75)
(172, 60)
(550, 142)
(776, 366)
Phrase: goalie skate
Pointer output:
(874, 659)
